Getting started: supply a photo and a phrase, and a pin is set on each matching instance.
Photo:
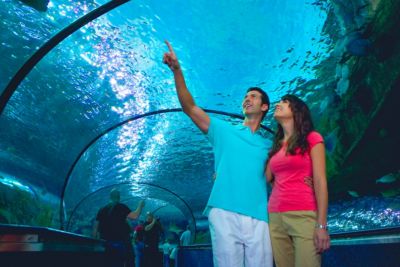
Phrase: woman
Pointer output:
(297, 211)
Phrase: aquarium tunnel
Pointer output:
(87, 106)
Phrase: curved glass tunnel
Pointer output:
(66, 130)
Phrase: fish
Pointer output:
(386, 179)
(353, 193)
(39, 5)
(359, 47)
(390, 192)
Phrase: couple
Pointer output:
(241, 229)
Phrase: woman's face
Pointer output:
(283, 110)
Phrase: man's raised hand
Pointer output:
(170, 58)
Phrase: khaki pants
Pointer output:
(292, 239)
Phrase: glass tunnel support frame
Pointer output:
(129, 183)
(49, 45)
(94, 140)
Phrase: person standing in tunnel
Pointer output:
(237, 207)
(152, 233)
(186, 237)
(297, 212)
(112, 226)
(138, 238)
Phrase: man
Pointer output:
(111, 225)
(152, 233)
(237, 207)
(186, 237)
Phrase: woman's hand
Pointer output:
(309, 181)
(322, 240)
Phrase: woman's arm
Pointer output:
(268, 174)
(150, 225)
(321, 236)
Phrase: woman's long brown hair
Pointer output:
(303, 125)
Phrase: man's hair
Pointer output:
(264, 98)
(115, 195)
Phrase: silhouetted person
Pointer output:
(111, 225)
(152, 232)
(186, 237)
(138, 237)
(167, 248)
(172, 256)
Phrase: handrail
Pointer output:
(367, 233)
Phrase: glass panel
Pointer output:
(23, 203)
(24, 29)
(159, 202)
(146, 154)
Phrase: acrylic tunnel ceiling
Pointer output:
(98, 110)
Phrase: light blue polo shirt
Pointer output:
(240, 158)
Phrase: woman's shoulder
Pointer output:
(314, 134)
(314, 138)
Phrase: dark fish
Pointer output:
(353, 193)
(40, 5)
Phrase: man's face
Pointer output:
(252, 103)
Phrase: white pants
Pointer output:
(239, 240)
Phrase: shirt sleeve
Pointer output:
(216, 126)
(314, 138)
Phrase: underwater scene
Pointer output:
(87, 104)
